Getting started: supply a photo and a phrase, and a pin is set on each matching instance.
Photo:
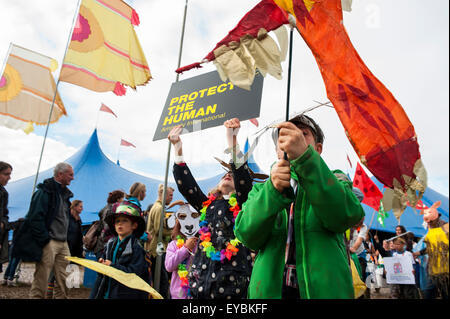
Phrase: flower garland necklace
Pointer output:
(182, 271)
(205, 232)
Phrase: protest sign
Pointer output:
(205, 101)
(399, 270)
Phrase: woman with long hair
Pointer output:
(74, 232)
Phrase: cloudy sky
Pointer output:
(403, 42)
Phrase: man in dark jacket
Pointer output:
(5, 176)
(43, 236)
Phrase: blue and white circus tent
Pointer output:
(95, 176)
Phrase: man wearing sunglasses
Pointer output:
(296, 220)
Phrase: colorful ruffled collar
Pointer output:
(205, 233)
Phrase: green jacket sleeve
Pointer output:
(332, 199)
(257, 218)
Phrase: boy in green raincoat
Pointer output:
(296, 221)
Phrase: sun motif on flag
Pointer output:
(10, 84)
(87, 34)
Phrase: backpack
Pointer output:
(91, 236)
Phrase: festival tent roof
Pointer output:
(411, 219)
(95, 176)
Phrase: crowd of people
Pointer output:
(296, 235)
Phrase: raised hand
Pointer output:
(232, 127)
(174, 138)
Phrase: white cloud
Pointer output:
(409, 55)
(23, 152)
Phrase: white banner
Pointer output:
(399, 270)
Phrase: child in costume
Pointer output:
(181, 249)
(123, 252)
(435, 254)
(222, 265)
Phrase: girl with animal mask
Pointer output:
(181, 249)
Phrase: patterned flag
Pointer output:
(104, 52)
(106, 109)
(374, 121)
(125, 143)
(419, 205)
(27, 88)
(252, 48)
(372, 194)
(382, 215)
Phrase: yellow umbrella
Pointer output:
(130, 280)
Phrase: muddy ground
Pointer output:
(24, 285)
(26, 277)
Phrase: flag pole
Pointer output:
(159, 256)
(6, 59)
(98, 115)
(288, 98)
(118, 152)
(54, 96)
(373, 215)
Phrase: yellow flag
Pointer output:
(130, 280)
(27, 88)
(104, 53)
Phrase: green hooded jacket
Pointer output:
(325, 207)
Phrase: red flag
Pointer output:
(419, 206)
(106, 109)
(254, 122)
(372, 195)
(125, 143)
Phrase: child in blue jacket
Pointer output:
(123, 252)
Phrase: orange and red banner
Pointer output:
(374, 121)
